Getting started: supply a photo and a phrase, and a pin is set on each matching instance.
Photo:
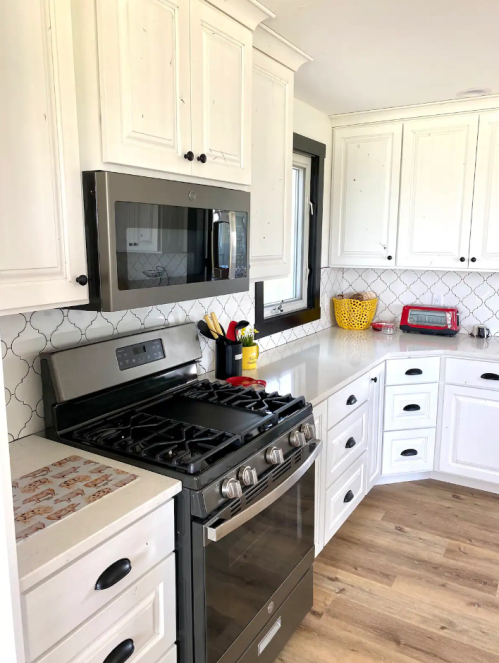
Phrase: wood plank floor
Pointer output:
(411, 576)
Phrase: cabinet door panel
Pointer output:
(221, 60)
(436, 192)
(366, 175)
(484, 243)
(375, 439)
(145, 82)
(469, 433)
(271, 182)
(42, 247)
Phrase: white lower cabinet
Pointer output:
(470, 433)
(345, 443)
(375, 434)
(344, 496)
(411, 406)
(408, 451)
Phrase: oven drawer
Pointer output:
(344, 495)
(413, 371)
(408, 451)
(57, 606)
(345, 443)
(471, 373)
(347, 400)
(411, 406)
(144, 614)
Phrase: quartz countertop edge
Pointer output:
(319, 365)
(50, 550)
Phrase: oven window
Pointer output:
(161, 245)
(246, 567)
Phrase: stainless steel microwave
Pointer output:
(152, 241)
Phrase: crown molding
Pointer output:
(248, 12)
(272, 44)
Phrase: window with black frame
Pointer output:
(284, 303)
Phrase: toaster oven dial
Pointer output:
(309, 431)
(231, 488)
(274, 456)
(297, 439)
(247, 476)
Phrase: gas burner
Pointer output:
(247, 398)
(171, 443)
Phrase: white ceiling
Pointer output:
(372, 54)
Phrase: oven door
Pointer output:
(159, 241)
(246, 567)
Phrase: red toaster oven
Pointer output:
(430, 320)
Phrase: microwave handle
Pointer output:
(233, 245)
(228, 526)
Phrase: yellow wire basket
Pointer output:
(352, 314)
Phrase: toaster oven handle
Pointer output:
(228, 526)
(233, 245)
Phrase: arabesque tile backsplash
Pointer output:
(24, 336)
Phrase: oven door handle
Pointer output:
(228, 526)
(233, 245)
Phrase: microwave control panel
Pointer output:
(139, 354)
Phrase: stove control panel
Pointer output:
(139, 354)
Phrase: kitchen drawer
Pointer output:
(345, 443)
(412, 371)
(144, 613)
(411, 406)
(344, 496)
(347, 400)
(55, 607)
(408, 451)
(472, 373)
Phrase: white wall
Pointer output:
(310, 122)
(10, 610)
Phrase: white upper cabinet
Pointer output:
(484, 242)
(144, 75)
(221, 101)
(42, 246)
(436, 195)
(365, 194)
(274, 64)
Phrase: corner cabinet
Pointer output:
(42, 247)
(375, 434)
(164, 86)
(275, 62)
(365, 193)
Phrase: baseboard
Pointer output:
(402, 478)
(440, 476)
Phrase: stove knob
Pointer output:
(309, 431)
(274, 456)
(231, 488)
(297, 439)
(247, 476)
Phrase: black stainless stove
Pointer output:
(245, 517)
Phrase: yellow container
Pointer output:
(352, 314)
(250, 356)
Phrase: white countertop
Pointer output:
(49, 550)
(317, 366)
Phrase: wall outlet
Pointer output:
(438, 300)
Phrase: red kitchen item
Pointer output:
(430, 320)
(231, 331)
(243, 381)
(379, 326)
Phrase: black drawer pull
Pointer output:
(121, 652)
(350, 443)
(351, 400)
(414, 371)
(114, 574)
(349, 496)
(412, 407)
(409, 452)
(490, 376)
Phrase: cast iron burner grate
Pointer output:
(171, 443)
(246, 398)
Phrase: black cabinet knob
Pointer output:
(462, 259)
(409, 452)
(121, 652)
(389, 257)
(489, 376)
(349, 496)
(374, 379)
(113, 574)
(351, 400)
(350, 443)
(203, 158)
(189, 156)
(412, 407)
(414, 371)
(473, 259)
(82, 280)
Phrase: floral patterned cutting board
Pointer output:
(53, 492)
